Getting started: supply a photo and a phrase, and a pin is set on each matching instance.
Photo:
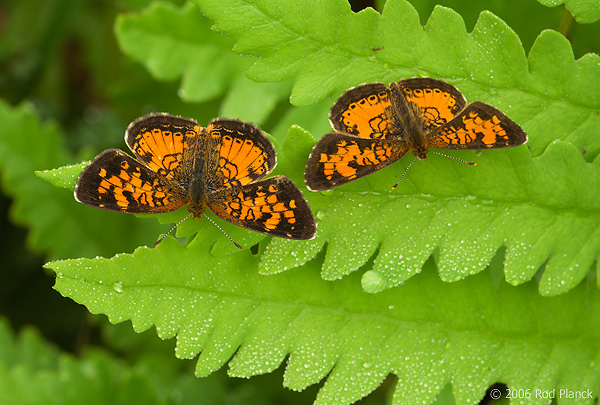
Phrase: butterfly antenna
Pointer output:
(225, 233)
(172, 229)
(401, 177)
(455, 158)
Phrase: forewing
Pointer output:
(163, 141)
(364, 111)
(238, 153)
(479, 126)
(434, 102)
(115, 181)
(340, 158)
(274, 206)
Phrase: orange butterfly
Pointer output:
(220, 167)
(376, 125)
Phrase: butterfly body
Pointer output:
(376, 125)
(198, 194)
(406, 130)
(220, 167)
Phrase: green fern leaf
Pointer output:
(584, 11)
(428, 333)
(177, 43)
(318, 49)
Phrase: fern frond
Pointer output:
(428, 333)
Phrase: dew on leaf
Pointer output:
(118, 286)
(373, 282)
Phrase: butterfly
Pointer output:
(220, 167)
(376, 125)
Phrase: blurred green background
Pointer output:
(62, 57)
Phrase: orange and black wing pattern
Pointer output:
(364, 111)
(163, 141)
(377, 125)
(274, 206)
(237, 153)
(434, 102)
(181, 163)
(340, 158)
(115, 181)
(479, 126)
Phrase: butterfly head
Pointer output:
(420, 151)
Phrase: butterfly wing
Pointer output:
(364, 111)
(340, 158)
(434, 102)
(115, 181)
(274, 206)
(238, 153)
(163, 141)
(479, 126)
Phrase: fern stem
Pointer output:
(564, 25)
